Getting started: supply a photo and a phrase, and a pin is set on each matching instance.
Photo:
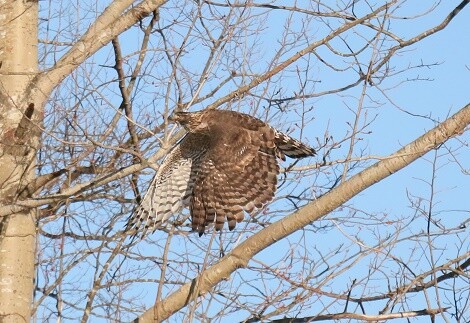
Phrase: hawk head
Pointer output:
(193, 122)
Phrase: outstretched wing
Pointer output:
(170, 189)
(239, 173)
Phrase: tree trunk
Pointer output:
(19, 137)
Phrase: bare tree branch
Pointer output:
(371, 318)
(240, 256)
(113, 21)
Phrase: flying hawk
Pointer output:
(226, 164)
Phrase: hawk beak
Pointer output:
(173, 118)
(178, 117)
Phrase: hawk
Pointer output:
(225, 165)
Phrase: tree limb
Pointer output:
(364, 317)
(313, 211)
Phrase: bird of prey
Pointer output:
(225, 165)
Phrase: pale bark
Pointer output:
(18, 143)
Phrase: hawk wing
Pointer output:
(170, 188)
(237, 174)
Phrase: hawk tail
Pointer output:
(292, 147)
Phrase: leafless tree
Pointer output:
(84, 126)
